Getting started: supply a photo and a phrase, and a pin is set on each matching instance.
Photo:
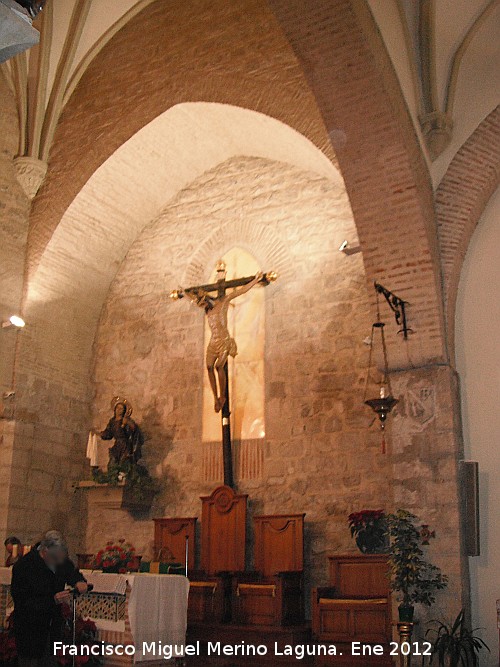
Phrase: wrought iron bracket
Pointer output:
(398, 307)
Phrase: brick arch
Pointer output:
(317, 65)
(273, 253)
(134, 79)
(461, 198)
(357, 91)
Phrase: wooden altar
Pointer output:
(117, 605)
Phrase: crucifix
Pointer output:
(214, 299)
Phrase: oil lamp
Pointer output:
(382, 404)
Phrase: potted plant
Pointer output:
(115, 557)
(412, 577)
(455, 645)
(369, 528)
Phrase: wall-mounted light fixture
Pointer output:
(348, 249)
(14, 321)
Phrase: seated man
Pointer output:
(38, 590)
(14, 550)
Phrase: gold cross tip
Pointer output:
(271, 276)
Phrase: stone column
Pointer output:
(426, 447)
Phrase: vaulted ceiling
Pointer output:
(445, 53)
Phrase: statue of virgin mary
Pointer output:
(125, 432)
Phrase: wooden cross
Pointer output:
(220, 287)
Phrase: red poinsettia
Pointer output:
(86, 635)
(7, 643)
(363, 519)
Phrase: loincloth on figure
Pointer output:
(221, 347)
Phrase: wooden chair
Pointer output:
(273, 595)
(223, 535)
(170, 538)
(357, 605)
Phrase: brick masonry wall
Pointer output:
(358, 94)
(218, 51)
(461, 198)
(268, 57)
(320, 454)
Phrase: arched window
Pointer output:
(246, 370)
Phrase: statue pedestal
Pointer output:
(110, 514)
(102, 496)
(119, 496)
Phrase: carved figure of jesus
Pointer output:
(221, 345)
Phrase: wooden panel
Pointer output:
(207, 601)
(170, 534)
(256, 604)
(279, 543)
(339, 620)
(276, 601)
(359, 575)
(223, 531)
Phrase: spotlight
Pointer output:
(14, 321)
(348, 250)
(33, 7)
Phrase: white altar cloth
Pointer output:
(157, 606)
(157, 610)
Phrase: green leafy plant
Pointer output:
(138, 482)
(455, 645)
(412, 577)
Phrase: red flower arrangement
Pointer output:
(115, 557)
(360, 520)
(369, 528)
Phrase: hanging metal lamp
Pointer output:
(382, 404)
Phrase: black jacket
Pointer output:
(36, 614)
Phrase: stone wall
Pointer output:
(14, 209)
(426, 449)
(317, 314)
(48, 454)
(321, 453)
